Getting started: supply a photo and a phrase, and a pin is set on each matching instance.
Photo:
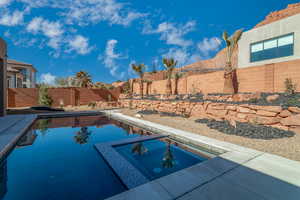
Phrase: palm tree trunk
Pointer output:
(169, 87)
(142, 88)
(131, 86)
(228, 82)
(176, 86)
(147, 89)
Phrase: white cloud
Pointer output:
(182, 55)
(80, 44)
(49, 29)
(95, 11)
(172, 33)
(48, 78)
(209, 45)
(110, 58)
(13, 19)
(4, 3)
(52, 30)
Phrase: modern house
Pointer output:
(3, 81)
(20, 74)
(272, 41)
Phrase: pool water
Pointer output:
(157, 158)
(57, 160)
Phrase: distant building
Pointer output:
(20, 75)
(3, 93)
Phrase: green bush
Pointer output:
(44, 98)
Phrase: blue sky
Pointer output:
(103, 37)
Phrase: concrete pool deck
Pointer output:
(237, 173)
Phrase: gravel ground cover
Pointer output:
(288, 147)
(246, 129)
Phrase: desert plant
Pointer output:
(168, 159)
(140, 70)
(230, 85)
(148, 83)
(290, 87)
(139, 148)
(84, 79)
(170, 65)
(44, 98)
(82, 136)
(92, 104)
(177, 76)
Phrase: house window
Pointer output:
(274, 48)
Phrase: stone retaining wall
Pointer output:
(276, 116)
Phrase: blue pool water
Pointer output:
(57, 160)
(157, 158)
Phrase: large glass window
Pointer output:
(274, 48)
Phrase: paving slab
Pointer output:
(149, 191)
(267, 186)
(10, 135)
(276, 166)
(220, 189)
(186, 180)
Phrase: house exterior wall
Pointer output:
(282, 27)
(3, 81)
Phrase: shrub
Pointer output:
(44, 98)
(290, 87)
(92, 104)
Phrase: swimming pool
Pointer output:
(57, 159)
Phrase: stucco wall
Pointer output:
(285, 26)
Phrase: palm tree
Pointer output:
(84, 79)
(148, 83)
(168, 160)
(230, 71)
(82, 136)
(139, 149)
(170, 66)
(177, 76)
(140, 70)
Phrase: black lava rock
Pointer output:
(247, 130)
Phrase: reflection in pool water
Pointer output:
(157, 158)
(57, 160)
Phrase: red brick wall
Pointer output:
(27, 97)
(265, 78)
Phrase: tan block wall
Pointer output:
(264, 78)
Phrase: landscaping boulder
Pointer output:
(294, 109)
(285, 113)
(272, 97)
(244, 110)
(293, 120)
(255, 119)
(266, 113)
